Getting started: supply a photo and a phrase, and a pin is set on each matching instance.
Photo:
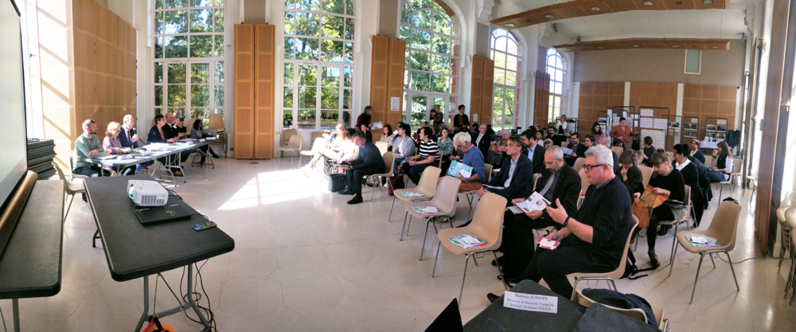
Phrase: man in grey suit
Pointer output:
(368, 162)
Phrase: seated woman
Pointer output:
(196, 133)
(332, 148)
(368, 134)
(158, 134)
(666, 181)
(691, 178)
(387, 136)
(721, 168)
(630, 174)
(111, 143)
(648, 151)
(445, 144)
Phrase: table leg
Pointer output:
(146, 305)
(190, 298)
(15, 304)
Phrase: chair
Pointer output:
(723, 229)
(383, 146)
(579, 164)
(470, 195)
(487, 225)
(637, 314)
(71, 188)
(316, 135)
(72, 166)
(317, 146)
(676, 223)
(584, 185)
(389, 158)
(618, 150)
(709, 160)
(646, 174)
(427, 187)
(670, 156)
(293, 146)
(736, 171)
(784, 234)
(444, 200)
(607, 276)
(286, 135)
(216, 122)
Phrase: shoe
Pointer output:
(492, 297)
(346, 192)
(499, 260)
(654, 259)
(215, 156)
(663, 230)
(356, 200)
(514, 280)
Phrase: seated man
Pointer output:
(514, 179)
(88, 146)
(578, 148)
(559, 183)
(532, 150)
(428, 155)
(177, 130)
(368, 162)
(594, 239)
(128, 138)
(472, 158)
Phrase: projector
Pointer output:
(147, 193)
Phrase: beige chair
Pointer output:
(578, 165)
(637, 314)
(72, 166)
(736, 171)
(286, 135)
(607, 276)
(389, 158)
(709, 160)
(564, 144)
(676, 223)
(317, 146)
(618, 150)
(723, 228)
(292, 147)
(584, 185)
(790, 219)
(444, 200)
(216, 122)
(470, 195)
(670, 156)
(487, 225)
(71, 188)
(316, 135)
(383, 146)
(646, 174)
(784, 235)
(427, 187)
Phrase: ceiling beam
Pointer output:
(648, 43)
(581, 8)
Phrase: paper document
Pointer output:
(378, 125)
(494, 187)
(534, 203)
(646, 112)
(426, 209)
(544, 243)
(412, 194)
(456, 168)
(566, 151)
(467, 241)
(530, 302)
(703, 241)
(157, 146)
(515, 210)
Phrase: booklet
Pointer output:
(456, 168)
(426, 209)
(377, 125)
(703, 241)
(467, 241)
(544, 243)
(534, 203)
(566, 151)
(412, 194)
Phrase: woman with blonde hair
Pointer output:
(112, 145)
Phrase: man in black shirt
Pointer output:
(593, 240)
(368, 162)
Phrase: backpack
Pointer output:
(631, 269)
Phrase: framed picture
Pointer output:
(721, 128)
(710, 127)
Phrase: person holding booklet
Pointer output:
(470, 169)
(514, 179)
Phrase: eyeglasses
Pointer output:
(549, 164)
(590, 167)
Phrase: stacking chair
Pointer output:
(646, 174)
(383, 146)
(584, 185)
(427, 187)
(71, 188)
(670, 156)
(618, 150)
(784, 235)
(286, 135)
(389, 158)
(292, 147)
(470, 195)
(790, 219)
(317, 146)
(216, 122)
(709, 160)
(637, 314)
(564, 144)
(607, 276)
(723, 229)
(578, 165)
(676, 223)
(487, 225)
(315, 135)
(444, 200)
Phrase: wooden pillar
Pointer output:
(264, 91)
(386, 81)
(542, 98)
(244, 91)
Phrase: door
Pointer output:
(418, 107)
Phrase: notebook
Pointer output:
(173, 211)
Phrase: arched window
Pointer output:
(558, 72)
(189, 57)
(504, 51)
(432, 58)
(318, 63)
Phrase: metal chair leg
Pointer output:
(712, 261)
(404, 227)
(614, 284)
(423, 246)
(733, 271)
(674, 254)
(693, 290)
(68, 207)
(391, 206)
(436, 258)
(506, 287)
(461, 290)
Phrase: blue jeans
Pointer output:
(414, 171)
(716, 176)
(397, 164)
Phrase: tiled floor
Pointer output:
(304, 260)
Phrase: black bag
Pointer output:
(630, 267)
(336, 182)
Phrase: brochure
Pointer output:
(377, 125)
(467, 241)
(544, 243)
(534, 203)
(456, 168)
(703, 241)
(412, 194)
(426, 209)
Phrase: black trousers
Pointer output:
(659, 214)
(353, 177)
(554, 265)
(93, 171)
(518, 242)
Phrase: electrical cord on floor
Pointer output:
(198, 296)
(736, 263)
(155, 301)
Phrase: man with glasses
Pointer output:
(694, 147)
(514, 179)
(593, 239)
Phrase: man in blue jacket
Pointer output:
(368, 162)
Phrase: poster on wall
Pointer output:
(395, 104)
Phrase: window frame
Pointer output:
(493, 51)
(555, 109)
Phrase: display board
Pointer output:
(654, 122)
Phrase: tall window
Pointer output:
(189, 57)
(319, 63)
(557, 71)
(432, 58)
(505, 53)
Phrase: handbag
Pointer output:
(336, 182)
(642, 213)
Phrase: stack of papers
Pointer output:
(467, 241)
(157, 146)
(426, 209)
(544, 243)
(412, 194)
(456, 168)
(703, 241)
(534, 203)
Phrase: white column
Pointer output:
(679, 110)
(627, 94)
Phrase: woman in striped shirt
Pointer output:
(428, 156)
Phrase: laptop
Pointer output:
(174, 210)
(209, 132)
(449, 320)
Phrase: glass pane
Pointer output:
(497, 99)
(332, 6)
(158, 95)
(201, 3)
(201, 20)
(557, 88)
(332, 51)
(289, 48)
(500, 76)
(511, 78)
(559, 63)
(347, 77)
(218, 46)
(307, 97)
(329, 119)
(177, 73)
(330, 77)
(349, 53)
(349, 28)
(421, 40)
(288, 79)
(306, 49)
(441, 64)
(512, 48)
(159, 23)
(200, 95)
(158, 47)
(510, 93)
(419, 81)
(176, 21)
(349, 7)
(406, 15)
(557, 99)
(220, 3)
(404, 34)
(551, 101)
(330, 98)
(287, 118)
(218, 17)
(200, 73)
(439, 83)
(418, 111)
(332, 26)
(500, 44)
(176, 3)
(287, 97)
(500, 60)
(559, 75)
(443, 45)
(201, 46)
(176, 95)
(158, 4)
(198, 113)
(289, 23)
(551, 60)
(219, 74)
(347, 99)
(313, 5)
(422, 19)
(218, 96)
(511, 63)
(419, 60)
(308, 75)
(176, 47)
(307, 24)
(158, 72)
(306, 119)
(441, 24)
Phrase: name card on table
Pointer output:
(201, 140)
(531, 302)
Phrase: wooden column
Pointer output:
(264, 91)
(541, 98)
(386, 81)
(244, 91)
(481, 90)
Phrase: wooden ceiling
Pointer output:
(581, 8)
(648, 43)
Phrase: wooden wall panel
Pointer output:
(386, 80)
(598, 97)
(541, 98)
(395, 79)
(476, 90)
(264, 91)
(244, 91)
(487, 91)
(709, 101)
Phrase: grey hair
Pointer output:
(462, 137)
(127, 117)
(602, 154)
(557, 153)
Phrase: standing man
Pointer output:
(368, 162)
(436, 117)
(364, 118)
(532, 150)
(88, 146)
(621, 133)
(128, 137)
(694, 146)
(461, 121)
(482, 140)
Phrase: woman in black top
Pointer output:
(648, 151)
(690, 177)
(666, 181)
(629, 173)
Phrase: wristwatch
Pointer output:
(566, 221)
